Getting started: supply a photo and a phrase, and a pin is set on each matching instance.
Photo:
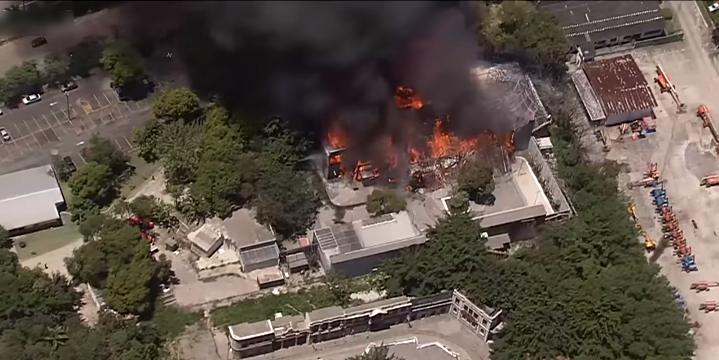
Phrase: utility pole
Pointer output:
(67, 97)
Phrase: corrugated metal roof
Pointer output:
(29, 197)
(588, 97)
(260, 254)
(620, 85)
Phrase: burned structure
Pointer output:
(432, 146)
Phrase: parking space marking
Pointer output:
(128, 143)
(37, 123)
(107, 98)
(17, 132)
(82, 158)
(29, 126)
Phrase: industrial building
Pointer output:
(254, 243)
(30, 200)
(358, 248)
(592, 25)
(614, 91)
(252, 339)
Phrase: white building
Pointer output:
(30, 200)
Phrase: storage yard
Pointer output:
(675, 206)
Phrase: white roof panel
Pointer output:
(29, 197)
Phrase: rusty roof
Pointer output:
(620, 85)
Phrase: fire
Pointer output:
(406, 98)
(443, 143)
(414, 154)
(337, 138)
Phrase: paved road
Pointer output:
(39, 128)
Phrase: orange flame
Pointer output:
(444, 144)
(337, 138)
(406, 98)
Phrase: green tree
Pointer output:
(93, 183)
(226, 174)
(376, 353)
(340, 287)
(533, 37)
(286, 201)
(458, 203)
(102, 151)
(151, 208)
(19, 81)
(476, 179)
(177, 104)
(128, 288)
(92, 225)
(62, 168)
(280, 145)
(56, 69)
(123, 63)
(453, 254)
(147, 140)
(5, 240)
(180, 149)
(381, 202)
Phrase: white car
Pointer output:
(713, 7)
(29, 99)
(4, 134)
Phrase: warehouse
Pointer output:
(614, 91)
(592, 25)
(30, 200)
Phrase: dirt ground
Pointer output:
(685, 153)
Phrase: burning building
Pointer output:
(430, 146)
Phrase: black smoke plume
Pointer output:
(316, 63)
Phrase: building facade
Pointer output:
(593, 25)
(252, 339)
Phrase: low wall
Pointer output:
(544, 172)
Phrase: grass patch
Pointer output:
(47, 240)
(66, 192)
(171, 321)
(264, 308)
(142, 171)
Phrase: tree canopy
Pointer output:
(519, 30)
(381, 202)
(123, 63)
(19, 81)
(585, 292)
(476, 179)
(147, 139)
(177, 104)
(117, 260)
(376, 353)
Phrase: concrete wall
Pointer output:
(363, 265)
(544, 172)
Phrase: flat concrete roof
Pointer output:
(325, 314)
(29, 197)
(207, 235)
(619, 85)
(243, 230)
(384, 229)
(249, 330)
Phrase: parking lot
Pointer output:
(38, 128)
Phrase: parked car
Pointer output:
(68, 85)
(32, 98)
(713, 7)
(38, 41)
(5, 135)
(70, 164)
